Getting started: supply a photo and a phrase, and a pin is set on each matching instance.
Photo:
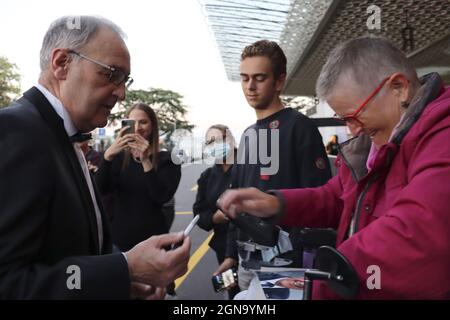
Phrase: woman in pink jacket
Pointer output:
(390, 199)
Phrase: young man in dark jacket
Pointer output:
(283, 149)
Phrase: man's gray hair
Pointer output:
(365, 60)
(72, 32)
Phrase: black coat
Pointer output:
(302, 161)
(211, 184)
(47, 218)
(138, 197)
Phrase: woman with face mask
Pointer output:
(220, 149)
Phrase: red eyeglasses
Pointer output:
(352, 119)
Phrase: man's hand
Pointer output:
(249, 200)
(146, 292)
(149, 262)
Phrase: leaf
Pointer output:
(9, 82)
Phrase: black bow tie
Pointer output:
(80, 137)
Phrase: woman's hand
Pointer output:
(140, 147)
(249, 200)
(141, 150)
(119, 144)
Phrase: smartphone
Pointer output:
(187, 231)
(225, 280)
(130, 123)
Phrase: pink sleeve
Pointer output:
(313, 207)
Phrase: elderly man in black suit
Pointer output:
(54, 237)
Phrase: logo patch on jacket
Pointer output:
(274, 124)
(320, 163)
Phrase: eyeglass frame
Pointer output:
(354, 116)
(127, 80)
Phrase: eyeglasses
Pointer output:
(115, 75)
(353, 118)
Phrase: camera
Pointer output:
(130, 123)
(225, 280)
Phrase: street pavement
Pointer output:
(196, 284)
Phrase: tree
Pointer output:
(168, 107)
(9, 82)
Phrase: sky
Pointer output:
(170, 43)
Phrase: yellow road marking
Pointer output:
(194, 188)
(184, 212)
(195, 258)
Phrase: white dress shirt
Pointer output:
(71, 130)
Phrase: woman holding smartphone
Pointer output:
(220, 148)
(141, 177)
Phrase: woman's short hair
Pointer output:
(365, 60)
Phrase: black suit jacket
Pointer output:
(47, 218)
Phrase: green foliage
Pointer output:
(167, 104)
(9, 82)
